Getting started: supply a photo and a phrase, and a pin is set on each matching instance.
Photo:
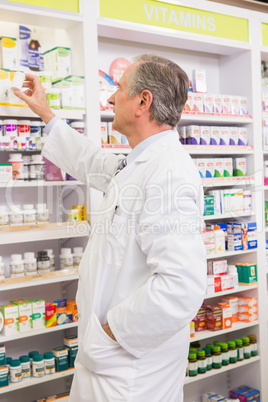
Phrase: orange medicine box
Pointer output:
(233, 301)
(214, 318)
(247, 301)
(227, 315)
(200, 320)
(71, 306)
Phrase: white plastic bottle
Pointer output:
(52, 258)
(2, 268)
(4, 216)
(42, 213)
(16, 216)
(29, 214)
(66, 259)
(15, 371)
(78, 254)
(16, 266)
(232, 270)
(219, 239)
(38, 366)
(30, 264)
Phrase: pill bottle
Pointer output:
(232, 270)
(192, 365)
(66, 259)
(232, 352)
(247, 201)
(1, 127)
(253, 345)
(18, 79)
(10, 128)
(52, 259)
(4, 216)
(35, 128)
(43, 262)
(2, 269)
(16, 216)
(38, 366)
(77, 255)
(49, 361)
(246, 347)
(209, 358)
(224, 354)
(15, 371)
(53, 98)
(26, 167)
(25, 366)
(202, 361)
(79, 126)
(42, 213)
(30, 264)
(24, 128)
(216, 357)
(29, 214)
(45, 78)
(31, 354)
(240, 349)
(16, 266)
(37, 168)
(219, 239)
(17, 166)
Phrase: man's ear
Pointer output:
(145, 101)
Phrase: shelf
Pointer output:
(39, 183)
(227, 253)
(39, 279)
(224, 369)
(231, 291)
(34, 332)
(228, 216)
(227, 181)
(195, 117)
(17, 111)
(212, 334)
(47, 231)
(218, 150)
(29, 382)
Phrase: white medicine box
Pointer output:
(58, 61)
(8, 53)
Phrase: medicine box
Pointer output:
(227, 167)
(8, 53)
(242, 136)
(217, 104)
(240, 167)
(104, 132)
(7, 97)
(11, 319)
(114, 137)
(5, 172)
(224, 135)
(208, 103)
(25, 312)
(189, 103)
(233, 139)
(192, 135)
(204, 135)
(4, 378)
(226, 104)
(51, 314)
(210, 167)
(71, 342)
(64, 316)
(53, 172)
(38, 314)
(227, 316)
(61, 358)
(243, 106)
(199, 81)
(219, 167)
(214, 135)
(66, 93)
(197, 102)
(78, 91)
(72, 307)
(201, 166)
(58, 61)
(214, 318)
(245, 394)
(2, 355)
(233, 302)
(235, 105)
(234, 242)
(217, 267)
(208, 205)
(200, 320)
(247, 273)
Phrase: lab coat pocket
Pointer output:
(101, 354)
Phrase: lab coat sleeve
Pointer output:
(79, 156)
(170, 298)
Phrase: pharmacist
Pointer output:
(143, 277)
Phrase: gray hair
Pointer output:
(167, 82)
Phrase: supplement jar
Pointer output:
(253, 345)
(216, 357)
(1, 127)
(53, 98)
(49, 361)
(31, 354)
(35, 128)
(52, 259)
(66, 259)
(240, 349)
(15, 371)
(79, 126)
(192, 365)
(10, 128)
(42, 213)
(26, 167)
(16, 216)
(202, 361)
(16, 266)
(17, 166)
(4, 216)
(24, 128)
(30, 264)
(29, 214)
(2, 270)
(37, 168)
(43, 262)
(25, 366)
(77, 255)
(232, 352)
(38, 366)
(45, 78)
(18, 80)
(73, 215)
(246, 347)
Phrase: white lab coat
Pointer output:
(143, 270)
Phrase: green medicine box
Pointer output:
(209, 205)
(61, 358)
(247, 273)
(4, 376)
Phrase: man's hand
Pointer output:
(108, 331)
(35, 97)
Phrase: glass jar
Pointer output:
(253, 344)
(240, 349)
(192, 365)
(246, 347)
(209, 358)
(216, 357)
(225, 354)
(232, 352)
(202, 361)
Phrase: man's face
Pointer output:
(124, 107)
